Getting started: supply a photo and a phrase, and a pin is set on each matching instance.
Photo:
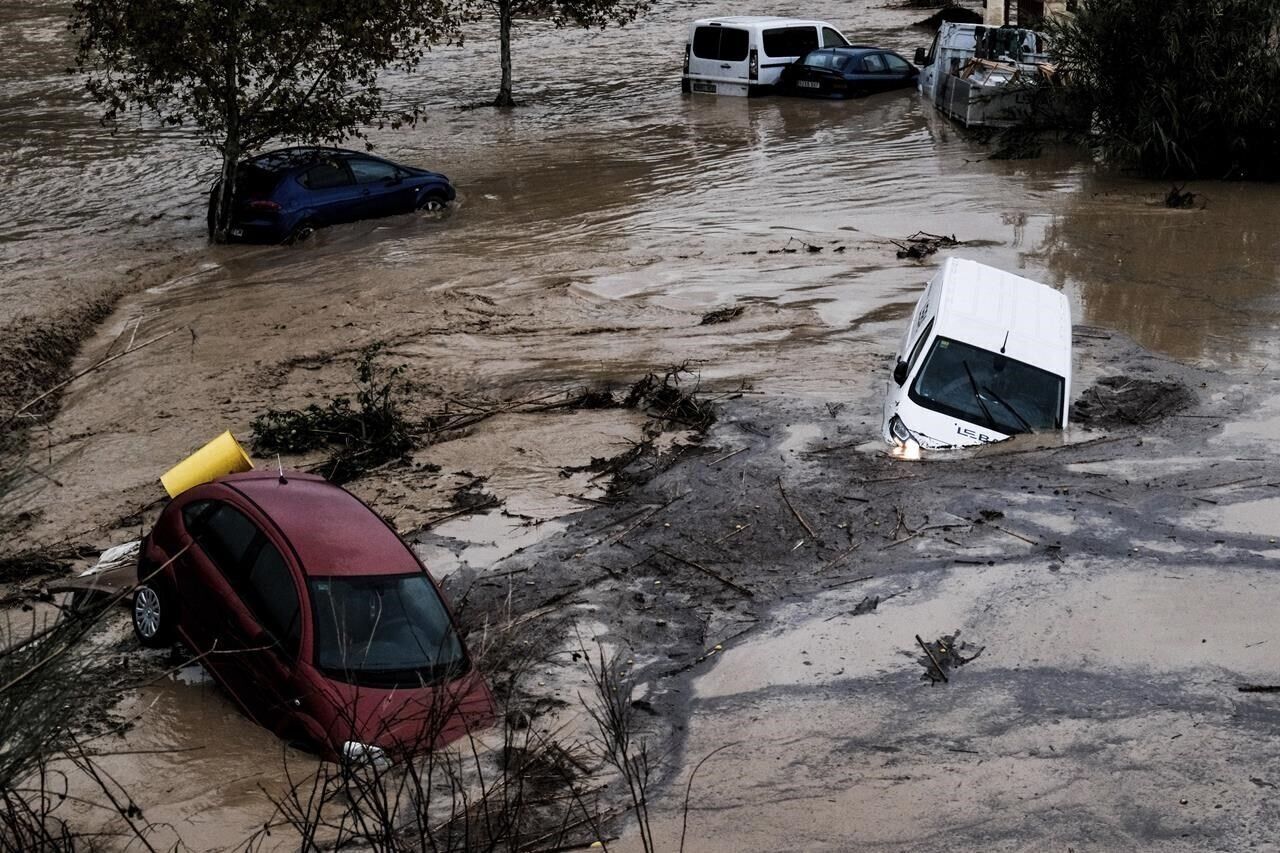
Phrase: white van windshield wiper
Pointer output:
(1002, 401)
(977, 395)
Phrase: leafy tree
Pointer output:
(1180, 87)
(582, 13)
(247, 73)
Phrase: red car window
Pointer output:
(273, 598)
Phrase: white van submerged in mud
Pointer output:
(745, 54)
(987, 355)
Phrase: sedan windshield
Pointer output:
(989, 389)
(384, 630)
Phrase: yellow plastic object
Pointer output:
(222, 456)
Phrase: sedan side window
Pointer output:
(274, 598)
(194, 514)
(326, 176)
(873, 64)
(896, 64)
(226, 537)
(831, 38)
(368, 171)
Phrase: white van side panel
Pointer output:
(713, 71)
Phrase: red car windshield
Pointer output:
(388, 630)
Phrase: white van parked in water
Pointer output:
(744, 55)
(987, 355)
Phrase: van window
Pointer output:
(721, 43)
(790, 41)
(831, 38)
(915, 351)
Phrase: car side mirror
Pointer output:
(900, 372)
(921, 58)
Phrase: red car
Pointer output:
(312, 613)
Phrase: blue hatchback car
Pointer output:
(284, 195)
(845, 72)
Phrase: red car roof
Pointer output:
(331, 530)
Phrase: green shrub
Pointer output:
(1179, 87)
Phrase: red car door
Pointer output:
(214, 581)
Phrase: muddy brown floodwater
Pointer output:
(595, 226)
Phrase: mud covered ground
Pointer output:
(764, 584)
(1118, 586)
(1117, 589)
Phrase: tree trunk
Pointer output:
(504, 98)
(224, 203)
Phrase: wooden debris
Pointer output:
(796, 512)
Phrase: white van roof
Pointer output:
(981, 305)
(758, 20)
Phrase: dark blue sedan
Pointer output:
(846, 72)
(282, 196)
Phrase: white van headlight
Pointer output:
(899, 430)
(906, 446)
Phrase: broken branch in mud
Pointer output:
(922, 244)
(928, 651)
(849, 582)
(944, 655)
(718, 647)
(662, 398)
(842, 556)
(479, 506)
(648, 516)
(722, 315)
(729, 455)
(736, 530)
(795, 512)
(739, 587)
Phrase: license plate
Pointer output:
(702, 86)
(808, 84)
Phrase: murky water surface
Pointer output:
(600, 217)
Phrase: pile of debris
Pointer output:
(1115, 401)
(922, 244)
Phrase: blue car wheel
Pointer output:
(433, 201)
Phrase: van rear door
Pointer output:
(718, 55)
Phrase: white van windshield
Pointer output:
(987, 388)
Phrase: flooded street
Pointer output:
(595, 226)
